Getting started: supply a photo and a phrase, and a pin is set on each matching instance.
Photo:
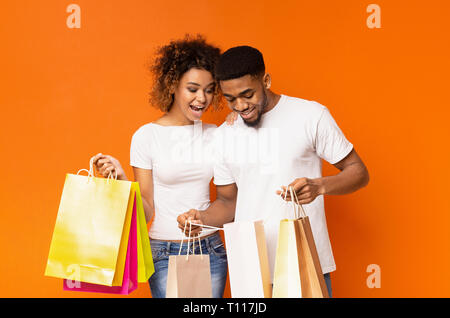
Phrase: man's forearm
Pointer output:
(219, 213)
(352, 178)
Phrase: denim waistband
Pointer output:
(206, 242)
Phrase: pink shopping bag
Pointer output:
(130, 281)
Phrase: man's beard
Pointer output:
(260, 110)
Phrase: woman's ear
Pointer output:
(172, 89)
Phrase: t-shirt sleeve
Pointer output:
(222, 172)
(331, 144)
(140, 154)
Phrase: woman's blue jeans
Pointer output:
(212, 245)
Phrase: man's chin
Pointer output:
(253, 122)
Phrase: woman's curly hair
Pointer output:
(175, 59)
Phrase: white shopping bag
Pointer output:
(248, 264)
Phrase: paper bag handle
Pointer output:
(91, 171)
(298, 208)
(193, 241)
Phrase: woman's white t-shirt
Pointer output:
(181, 161)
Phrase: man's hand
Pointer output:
(307, 190)
(353, 176)
(193, 216)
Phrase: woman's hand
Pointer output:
(231, 118)
(193, 216)
(106, 165)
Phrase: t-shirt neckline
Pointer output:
(280, 101)
(197, 122)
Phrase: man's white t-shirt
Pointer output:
(289, 143)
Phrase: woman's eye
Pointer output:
(209, 91)
(192, 90)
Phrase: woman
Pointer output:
(169, 158)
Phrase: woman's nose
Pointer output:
(201, 98)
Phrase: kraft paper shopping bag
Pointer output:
(248, 264)
(189, 276)
(313, 282)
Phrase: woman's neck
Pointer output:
(174, 117)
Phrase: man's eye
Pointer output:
(249, 96)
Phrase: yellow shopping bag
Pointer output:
(90, 237)
(297, 266)
(145, 260)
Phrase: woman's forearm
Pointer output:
(149, 210)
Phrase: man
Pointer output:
(277, 141)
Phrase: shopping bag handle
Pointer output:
(298, 208)
(189, 239)
(91, 171)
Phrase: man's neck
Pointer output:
(272, 100)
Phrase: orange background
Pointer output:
(67, 94)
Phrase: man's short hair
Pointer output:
(240, 61)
